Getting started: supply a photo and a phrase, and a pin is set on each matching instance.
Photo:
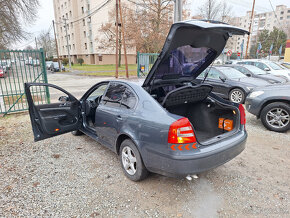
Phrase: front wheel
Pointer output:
(276, 116)
(237, 96)
(131, 161)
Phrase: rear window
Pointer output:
(185, 61)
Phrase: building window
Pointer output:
(73, 46)
(70, 14)
(89, 19)
(100, 57)
(83, 10)
(66, 15)
(71, 25)
(90, 32)
(86, 47)
(65, 4)
(282, 12)
(281, 18)
(84, 22)
(60, 29)
(69, 47)
(288, 11)
(91, 44)
(72, 36)
(67, 26)
(85, 34)
(88, 7)
(288, 17)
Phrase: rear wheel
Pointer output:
(276, 116)
(237, 96)
(131, 161)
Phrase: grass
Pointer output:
(108, 67)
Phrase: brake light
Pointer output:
(242, 114)
(181, 132)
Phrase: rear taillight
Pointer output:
(181, 132)
(242, 114)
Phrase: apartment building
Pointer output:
(261, 21)
(83, 19)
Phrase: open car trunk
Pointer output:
(211, 119)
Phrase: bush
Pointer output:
(80, 61)
(65, 61)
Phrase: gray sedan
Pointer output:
(169, 125)
(272, 105)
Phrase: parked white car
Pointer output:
(268, 66)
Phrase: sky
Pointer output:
(46, 14)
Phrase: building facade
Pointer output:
(261, 21)
(82, 19)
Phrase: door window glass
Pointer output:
(99, 91)
(128, 100)
(213, 74)
(260, 65)
(114, 95)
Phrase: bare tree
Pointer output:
(15, 13)
(215, 10)
(210, 9)
(46, 41)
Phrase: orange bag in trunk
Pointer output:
(226, 124)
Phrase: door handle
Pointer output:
(119, 117)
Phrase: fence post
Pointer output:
(138, 67)
(45, 73)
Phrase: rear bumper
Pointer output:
(203, 159)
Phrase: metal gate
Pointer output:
(16, 68)
(144, 63)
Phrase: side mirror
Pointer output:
(248, 75)
(222, 78)
(267, 69)
(63, 99)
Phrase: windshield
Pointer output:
(274, 66)
(255, 70)
(184, 61)
(231, 73)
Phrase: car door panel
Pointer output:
(49, 120)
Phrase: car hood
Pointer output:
(273, 79)
(190, 47)
(284, 87)
(252, 81)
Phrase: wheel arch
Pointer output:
(272, 101)
(122, 137)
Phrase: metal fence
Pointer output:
(144, 63)
(16, 68)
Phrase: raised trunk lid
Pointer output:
(191, 46)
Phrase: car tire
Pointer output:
(272, 116)
(131, 161)
(77, 133)
(237, 96)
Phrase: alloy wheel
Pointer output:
(129, 160)
(278, 118)
(236, 96)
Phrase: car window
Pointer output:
(114, 95)
(274, 66)
(231, 73)
(241, 69)
(255, 70)
(213, 74)
(260, 65)
(99, 91)
(128, 100)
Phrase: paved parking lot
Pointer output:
(75, 176)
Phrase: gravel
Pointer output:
(76, 177)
